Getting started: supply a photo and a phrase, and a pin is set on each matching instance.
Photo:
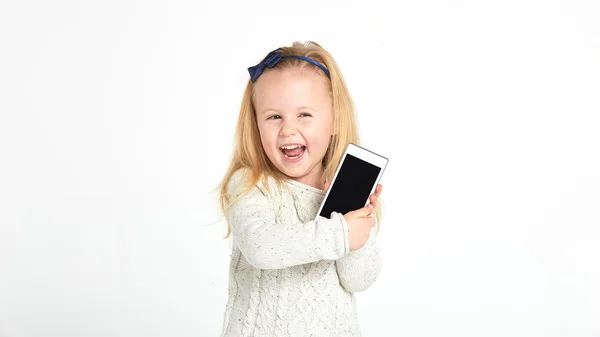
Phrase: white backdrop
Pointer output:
(117, 120)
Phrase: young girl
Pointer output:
(289, 274)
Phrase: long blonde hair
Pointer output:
(248, 152)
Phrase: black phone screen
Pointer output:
(351, 187)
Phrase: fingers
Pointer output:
(363, 212)
(373, 200)
(326, 186)
(373, 197)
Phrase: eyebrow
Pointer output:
(300, 107)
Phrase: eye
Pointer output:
(303, 114)
(274, 117)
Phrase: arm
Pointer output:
(359, 269)
(266, 244)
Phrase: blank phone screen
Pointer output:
(352, 186)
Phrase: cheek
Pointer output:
(320, 137)
(266, 136)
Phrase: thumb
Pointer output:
(363, 212)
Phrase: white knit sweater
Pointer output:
(290, 275)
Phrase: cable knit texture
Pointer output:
(290, 275)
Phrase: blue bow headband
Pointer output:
(273, 58)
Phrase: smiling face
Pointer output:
(295, 120)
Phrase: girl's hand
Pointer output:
(373, 197)
(359, 221)
(359, 226)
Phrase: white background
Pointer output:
(117, 120)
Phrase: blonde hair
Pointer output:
(248, 151)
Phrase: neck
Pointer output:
(313, 178)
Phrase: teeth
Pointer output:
(291, 147)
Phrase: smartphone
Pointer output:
(355, 179)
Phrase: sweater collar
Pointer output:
(305, 187)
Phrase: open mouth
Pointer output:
(293, 151)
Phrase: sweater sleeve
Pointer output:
(359, 269)
(267, 244)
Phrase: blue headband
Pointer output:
(273, 58)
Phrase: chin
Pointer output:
(293, 173)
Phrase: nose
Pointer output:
(288, 128)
